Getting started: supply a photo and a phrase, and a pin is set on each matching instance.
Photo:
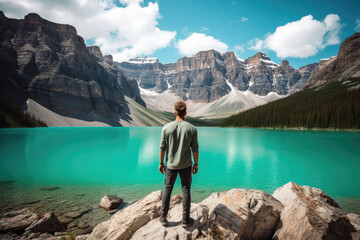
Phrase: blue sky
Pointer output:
(302, 32)
(238, 22)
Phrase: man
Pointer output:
(177, 138)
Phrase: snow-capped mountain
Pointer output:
(205, 76)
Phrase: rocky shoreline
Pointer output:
(291, 212)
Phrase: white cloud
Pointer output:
(357, 27)
(239, 48)
(302, 38)
(126, 30)
(198, 42)
(244, 19)
(256, 44)
(204, 29)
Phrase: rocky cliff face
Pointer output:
(209, 75)
(50, 64)
(345, 65)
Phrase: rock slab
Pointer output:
(124, 223)
(16, 221)
(174, 230)
(242, 214)
(48, 224)
(310, 214)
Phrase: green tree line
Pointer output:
(11, 116)
(335, 104)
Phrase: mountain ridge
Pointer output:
(203, 77)
(330, 99)
(50, 64)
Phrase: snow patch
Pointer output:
(168, 84)
(142, 60)
(149, 92)
(239, 59)
(271, 63)
(170, 72)
(231, 86)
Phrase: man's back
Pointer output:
(177, 138)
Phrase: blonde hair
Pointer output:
(180, 108)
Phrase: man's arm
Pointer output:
(161, 163)
(195, 151)
(196, 159)
(162, 151)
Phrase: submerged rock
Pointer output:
(48, 224)
(7, 182)
(16, 221)
(74, 214)
(50, 188)
(110, 202)
(124, 223)
(310, 214)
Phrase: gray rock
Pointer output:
(50, 188)
(74, 214)
(310, 214)
(345, 65)
(48, 224)
(124, 223)
(85, 210)
(82, 231)
(95, 50)
(242, 214)
(355, 220)
(108, 59)
(110, 202)
(154, 229)
(16, 221)
(202, 78)
(82, 237)
(50, 64)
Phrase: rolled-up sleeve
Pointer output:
(163, 141)
(194, 142)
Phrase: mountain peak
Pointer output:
(33, 20)
(284, 63)
(209, 53)
(95, 50)
(260, 57)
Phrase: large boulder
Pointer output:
(124, 223)
(174, 230)
(310, 214)
(48, 224)
(110, 202)
(242, 214)
(355, 220)
(17, 221)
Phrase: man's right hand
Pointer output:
(161, 168)
(195, 169)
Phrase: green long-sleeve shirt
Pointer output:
(177, 138)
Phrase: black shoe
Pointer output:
(163, 221)
(187, 222)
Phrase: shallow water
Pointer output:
(87, 163)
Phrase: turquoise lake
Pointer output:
(87, 163)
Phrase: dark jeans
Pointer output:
(170, 177)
